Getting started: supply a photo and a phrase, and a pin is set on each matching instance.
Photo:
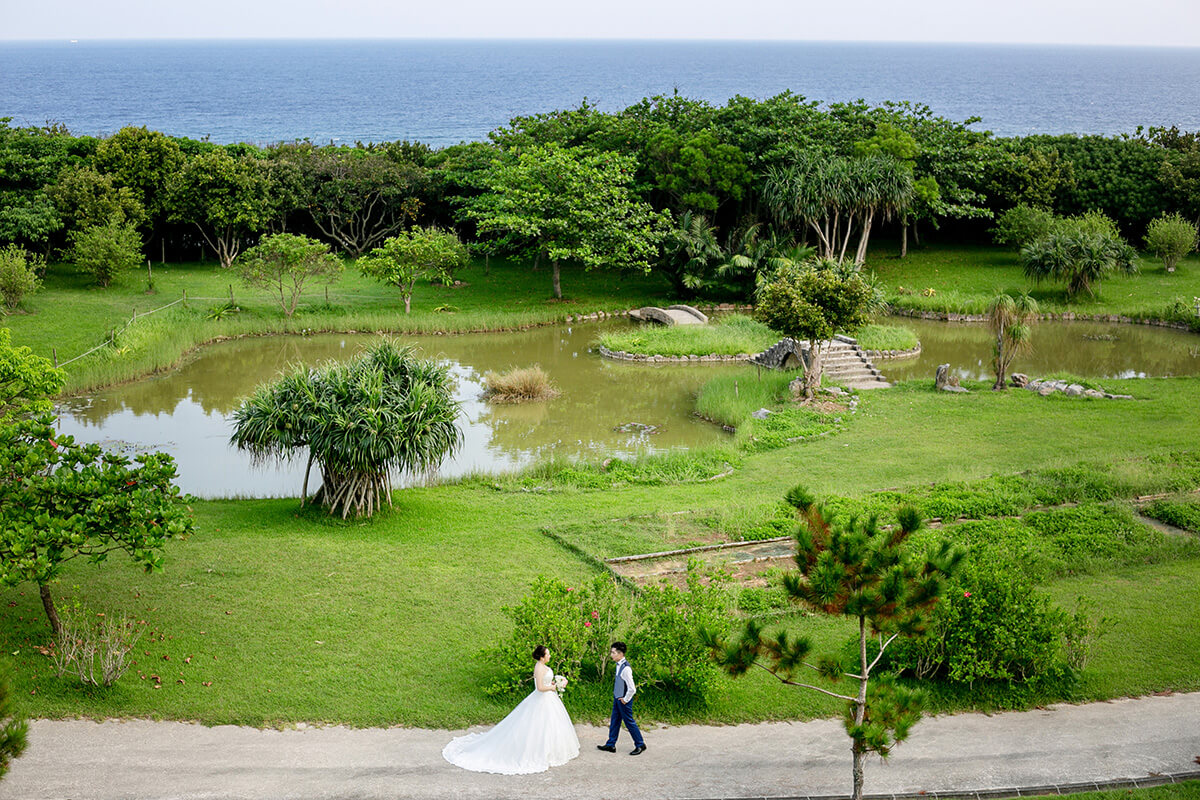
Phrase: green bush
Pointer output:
(1171, 237)
(992, 625)
(105, 251)
(576, 623)
(663, 636)
(1022, 225)
(19, 275)
(13, 727)
(1182, 512)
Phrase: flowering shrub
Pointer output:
(577, 623)
(992, 625)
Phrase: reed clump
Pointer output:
(519, 385)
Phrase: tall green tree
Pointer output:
(85, 198)
(226, 198)
(835, 198)
(361, 422)
(1011, 320)
(284, 263)
(66, 500)
(855, 569)
(144, 161)
(355, 196)
(417, 254)
(574, 205)
(813, 301)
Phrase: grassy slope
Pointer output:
(964, 278)
(72, 315)
(345, 622)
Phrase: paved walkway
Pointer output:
(959, 753)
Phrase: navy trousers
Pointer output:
(623, 712)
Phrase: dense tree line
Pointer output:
(715, 196)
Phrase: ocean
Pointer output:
(442, 92)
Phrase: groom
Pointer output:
(623, 691)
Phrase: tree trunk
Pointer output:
(1000, 365)
(407, 303)
(861, 254)
(812, 371)
(51, 611)
(860, 710)
(307, 471)
(904, 239)
(557, 281)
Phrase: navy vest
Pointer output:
(618, 682)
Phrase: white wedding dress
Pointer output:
(535, 736)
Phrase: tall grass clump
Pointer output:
(519, 385)
(730, 399)
(886, 337)
(728, 336)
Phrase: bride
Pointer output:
(535, 736)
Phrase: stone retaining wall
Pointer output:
(621, 355)
(912, 351)
(1064, 316)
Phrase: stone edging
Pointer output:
(1064, 316)
(909, 353)
(1156, 779)
(621, 355)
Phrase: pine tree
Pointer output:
(860, 570)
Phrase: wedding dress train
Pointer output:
(535, 736)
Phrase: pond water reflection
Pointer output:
(1087, 349)
(186, 412)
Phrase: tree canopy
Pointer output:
(417, 254)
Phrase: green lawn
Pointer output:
(963, 279)
(71, 315)
(296, 617)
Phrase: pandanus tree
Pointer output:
(834, 198)
(1078, 259)
(362, 422)
(1011, 320)
(871, 574)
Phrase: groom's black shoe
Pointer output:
(608, 748)
(637, 751)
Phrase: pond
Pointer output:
(1087, 349)
(186, 412)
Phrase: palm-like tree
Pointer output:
(362, 421)
(1011, 319)
(1080, 260)
(834, 197)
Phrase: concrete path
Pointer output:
(959, 753)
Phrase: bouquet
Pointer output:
(560, 683)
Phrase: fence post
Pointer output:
(54, 352)
(185, 298)
(134, 314)
(327, 295)
(231, 294)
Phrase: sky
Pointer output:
(1098, 22)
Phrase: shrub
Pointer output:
(94, 645)
(1022, 225)
(519, 385)
(104, 251)
(19, 275)
(1079, 260)
(577, 624)
(991, 625)
(663, 637)
(1171, 237)
(1182, 512)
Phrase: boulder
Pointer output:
(949, 388)
(1046, 389)
(942, 377)
(1019, 380)
(1074, 390)
(762, 413)
(1094, 394)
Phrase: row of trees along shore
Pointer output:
(709, 195)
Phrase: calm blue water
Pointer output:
(442, 92)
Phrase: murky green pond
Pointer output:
(1087, 349)
(186, 412)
